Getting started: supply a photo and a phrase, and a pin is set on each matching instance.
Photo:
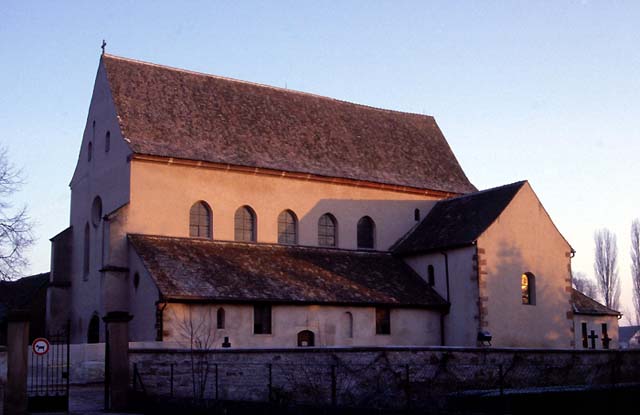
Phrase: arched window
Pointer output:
(96, 211)
(327, 230)
(431, 275)
(86, 253)
(306, 338)
(366, 233)
(136, 280)
(416, 214)
(287, 228)
(348, 325)
(89, 151)
(245, 224)
(220, 318)
(200, 220)
(93, 333)
(107, 142)
(528, 287)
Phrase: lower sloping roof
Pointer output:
(458, 221)
(583, 304)
(186, 269)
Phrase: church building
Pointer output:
(247, 215)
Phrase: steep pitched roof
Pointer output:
(458, 221)
(175, 113)
(583, 304)
(195, 269)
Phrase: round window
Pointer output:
(96, 211)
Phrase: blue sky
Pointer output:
(543, 90)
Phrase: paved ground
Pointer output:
(86, 400)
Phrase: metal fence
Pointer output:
(431, 386)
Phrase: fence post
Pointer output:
(270, 382)
(134, 381)
(216, 367)
(334, 382)
(407, 390)
(17, 363)
(503, 403)
(171, 382)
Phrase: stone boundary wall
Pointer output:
(372, 377)
(87, 360)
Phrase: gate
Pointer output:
(48, 377)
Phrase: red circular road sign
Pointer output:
(40, 346)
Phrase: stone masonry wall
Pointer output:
(372, 377)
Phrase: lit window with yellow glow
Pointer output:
(527, 286)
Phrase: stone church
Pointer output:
(246, 215)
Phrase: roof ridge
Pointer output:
(520, 183)
(263, 244)
(448, 213)
(258, 84)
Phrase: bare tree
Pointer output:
(15, 225)
(586, 285)
(197, 331)
(606, 267)
(635, 267)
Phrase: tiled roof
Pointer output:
(458, 221)
(583, 304)
(196, 269)
(175, 113)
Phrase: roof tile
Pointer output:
(169, 112)
(196, 269)
(583, 304)
(458, 221)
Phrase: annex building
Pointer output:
(258, 216)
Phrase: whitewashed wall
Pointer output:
(106, 175)
(524, 239)
(461, 324)
(595, 323)
(328, 323)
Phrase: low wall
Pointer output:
(87, 360)
(372, 377)
(86, 363)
